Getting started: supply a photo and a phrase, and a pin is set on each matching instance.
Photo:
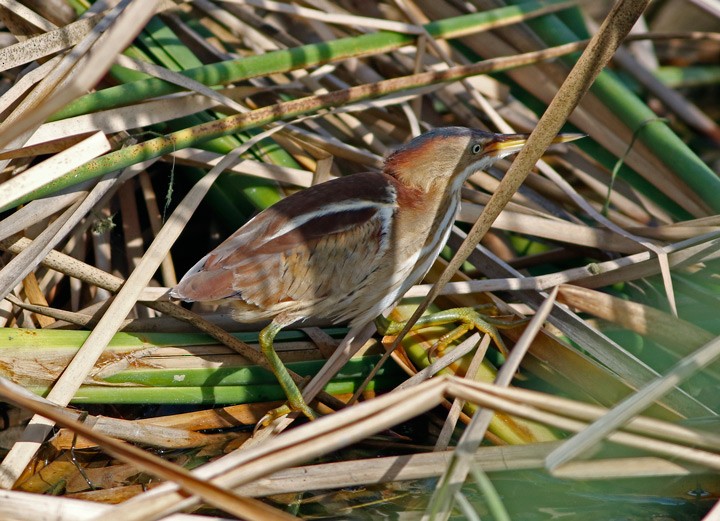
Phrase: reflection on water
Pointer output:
(528, 496)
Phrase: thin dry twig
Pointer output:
(599, 51)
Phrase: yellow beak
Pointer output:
(505, 144)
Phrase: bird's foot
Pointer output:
(271, 416)
(469, 318)
(284, 410)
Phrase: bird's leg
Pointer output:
(295, 399)
(468, 317)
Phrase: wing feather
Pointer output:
(321, 242)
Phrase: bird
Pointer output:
(346, 249)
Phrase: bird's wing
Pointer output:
(324, 240)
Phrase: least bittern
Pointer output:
(349, 248)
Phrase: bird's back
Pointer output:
(311, 254)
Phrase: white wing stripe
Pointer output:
(352, 206)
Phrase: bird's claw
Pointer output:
(284, 410)
(271, 416)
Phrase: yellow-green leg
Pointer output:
(295, 399)
(469, 319)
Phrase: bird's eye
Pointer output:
(476, 149)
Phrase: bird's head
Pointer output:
(443, 158)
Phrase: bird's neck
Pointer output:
(423, 167)
(428, 193)
(425, 211)
(421, 227)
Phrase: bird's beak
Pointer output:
(505, 144)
